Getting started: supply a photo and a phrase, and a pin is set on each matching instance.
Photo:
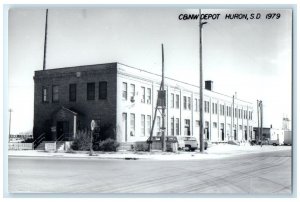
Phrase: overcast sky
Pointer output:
(250, 57)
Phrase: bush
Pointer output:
(141, 146)
(108, 145)
(82, 141)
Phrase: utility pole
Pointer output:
(10, 111)
(45, 41)
(201, 87)
(163, 101)
(261, 118)
(232, 117)
(258, 125)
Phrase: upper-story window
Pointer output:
(177, 101)
(206, 106)
(55, 93)
(132, 91)
(72, 92)
(189, 103)
(148, 95)
(102, 90)
(124, 90)
(196, 104)
(172, 100)
(90, 95)
(184, 102)
(143, 94)
(45, 96)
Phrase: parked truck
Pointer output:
(287, 138)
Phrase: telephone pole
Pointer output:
(201, 87)
(163, 114)
(45, 41)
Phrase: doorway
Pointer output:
(62, 128)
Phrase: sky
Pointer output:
(249, 57)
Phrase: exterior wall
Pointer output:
(105, 110)
(117, 111)
(145, 79)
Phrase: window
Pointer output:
(187, 131)
(240, 127)
(189, 103)
(143, 95)
(90, 91)
(55, 94)
(124, 90)
(197, 123)
(132, 124)
(184, 102)
(206, 106)
(102, 90)
(132, 91)
(177, 101)
(177, 126)
(196, 105)
(172, 100)
(213, 108)
(72, 92)
(148, 124)
(215, 124)
(222, 110)
(45, 95)
(143, 125)
(235, 113)
(172, 126)
(148, 95)
(216, 108)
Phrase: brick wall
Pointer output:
(105, 110)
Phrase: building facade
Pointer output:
(124, 98)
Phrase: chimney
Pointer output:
(209, 85)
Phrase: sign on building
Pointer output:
(161, 101)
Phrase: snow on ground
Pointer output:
(213, 152)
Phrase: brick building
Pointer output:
(124, 98)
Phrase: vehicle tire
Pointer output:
(274, 144)
(189, 147)
(193, 149)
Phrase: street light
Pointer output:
(201, 87)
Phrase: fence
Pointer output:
(20, 146)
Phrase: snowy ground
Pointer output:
(213, 152)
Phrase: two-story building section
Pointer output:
(124, 98)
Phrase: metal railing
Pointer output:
(38, 140)
(60, 138)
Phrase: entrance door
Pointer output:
(62, 127)
(124, 125)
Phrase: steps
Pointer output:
(60, 145)
(41, 146)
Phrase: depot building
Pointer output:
(122, 100)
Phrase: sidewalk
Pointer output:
(213, 152)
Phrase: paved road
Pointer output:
(252, 173)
